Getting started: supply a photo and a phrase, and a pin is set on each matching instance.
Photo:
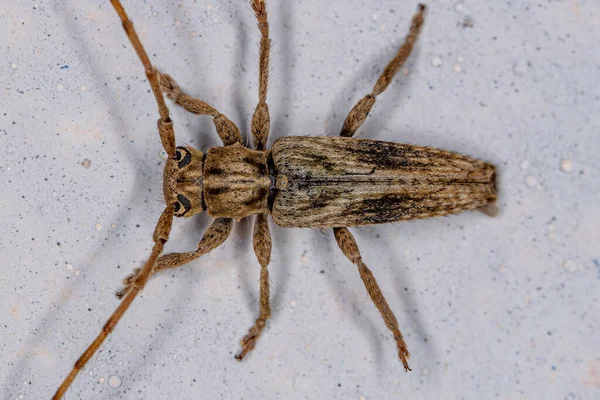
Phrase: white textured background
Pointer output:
(501, 308)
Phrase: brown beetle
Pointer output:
(314, 182)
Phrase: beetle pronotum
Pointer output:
(312, 182)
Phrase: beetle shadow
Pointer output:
(387, 102)
(283, 46)
(416, 326)
(142, 362)
(242, 108)
(200, 127)
(84, 49)
(362, 321)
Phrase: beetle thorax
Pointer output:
(237, 182)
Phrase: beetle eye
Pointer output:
(177, 207)
(182, 155)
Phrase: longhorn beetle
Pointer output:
(301, 182)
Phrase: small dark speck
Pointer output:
(549, 333)
(467, 22)
(58, 243)
(554, 368)
(64, 67)
(339, 385)
(137, 225)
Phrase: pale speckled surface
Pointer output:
(501, 308)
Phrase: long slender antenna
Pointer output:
(163, 227)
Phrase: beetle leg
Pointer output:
(214, 236)
(261, 121)
(226, 129)
(359, 112)
(262, 248)
(350, 249)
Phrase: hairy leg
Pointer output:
(226, 129)
(262, 248)
(214, 236)
(261, 121)
(359, 112)
(350, 249)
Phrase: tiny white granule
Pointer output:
(293, 303)
(425, 371)
(13, 65)
(177, 22)
(60, 87)
(70, 267)
(457, 68)
(98, 227)
(570, 266)
(436, 61)
(77, 272)
(566, 165)
(459, 7)
(460, 59)
(83, 88)
(524, 164)
(520, 67)
(551, 232)
(531, 181)
(114, 381)
(209, 7)
(101, 379)
(374, 16)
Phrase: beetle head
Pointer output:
(183, 181)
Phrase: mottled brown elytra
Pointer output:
(312, 182)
